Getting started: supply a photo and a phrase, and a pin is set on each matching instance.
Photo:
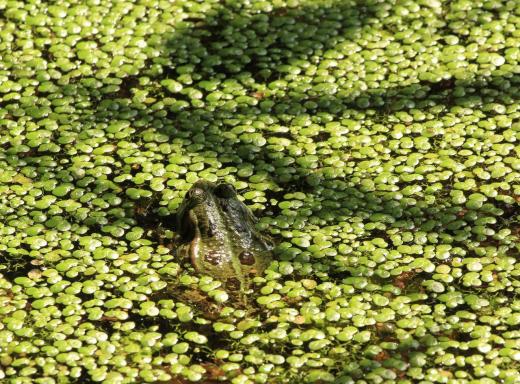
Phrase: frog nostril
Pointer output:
(225, 191)
(233, 284)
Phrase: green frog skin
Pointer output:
(217, 232)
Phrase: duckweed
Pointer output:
(377, 142)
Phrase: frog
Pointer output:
(217, 232)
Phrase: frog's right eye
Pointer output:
(225, 191)
(196, 195)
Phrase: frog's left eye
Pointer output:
(197, 195)
(225, 191)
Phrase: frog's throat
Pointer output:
(194, 249)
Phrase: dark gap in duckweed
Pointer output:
(144, 212)
(85, 377)
(441, 86)
(511, 212)
(125, 88)
(15, 265)
(46, 54)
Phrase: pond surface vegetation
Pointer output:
(377, 141)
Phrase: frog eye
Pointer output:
(225, 191)
(196, 195)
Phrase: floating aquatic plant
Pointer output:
(376, 140)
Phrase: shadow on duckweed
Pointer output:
(258, 49)
(266, 51)
(104, 111)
